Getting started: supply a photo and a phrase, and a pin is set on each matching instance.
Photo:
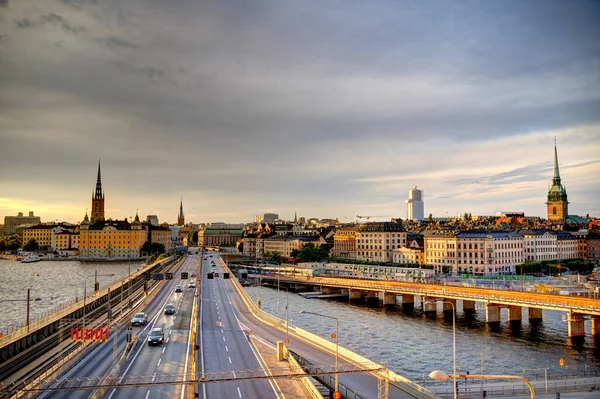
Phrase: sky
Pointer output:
(327, 108)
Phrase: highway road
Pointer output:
(223, 344)
(146, 361)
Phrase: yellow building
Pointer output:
(111, 238)
(344, 242)
(159, 235)
(42, 233)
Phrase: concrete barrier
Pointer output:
(310, 387)
(396, 380)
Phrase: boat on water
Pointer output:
(31, 259)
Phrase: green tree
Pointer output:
(430, 218)
(32, 245)
(192, 238)
(273, 256)
(294, 253)
(157, 248)
(312, 253)
(147, 248)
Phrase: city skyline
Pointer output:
(242, 110)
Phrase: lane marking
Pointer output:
(159, 360)
(234, 376)
(167, 341)
(163, 351)
(229, 359)
(148, 393)
(239, 393)
(153, 377)
(226, 348)
(224, 339)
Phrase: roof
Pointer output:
(118, 224)
(486, 234)
(381, 226)
(575, 219)
(215, 231)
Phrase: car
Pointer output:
(179, 288)
(170, 309)
(205, 258)
(216, 274)
(156, 337)
(191, 284)
(139, 319)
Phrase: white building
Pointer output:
(376, 241)
(266, 218)
(415, 209)
(566, 245)
(540, 245)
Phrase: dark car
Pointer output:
(170, 309)
(179, 288)
(139, 319)
(156, 337)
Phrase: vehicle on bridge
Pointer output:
(179, 288)
(170, 309)
(139, 319)
(156, 337)
(191, 284)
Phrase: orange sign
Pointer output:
(89, 334)
(287, 340)
(333, 335)
(561, 361)
(337, 395)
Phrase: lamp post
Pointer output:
(442, 376)
(28, 300)
(453, 343)
(287, 315)
(336, 344)
(95, 275)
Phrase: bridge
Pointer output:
(578, 309)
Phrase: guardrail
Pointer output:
(310, 387)
(396, 380)
(547, 301)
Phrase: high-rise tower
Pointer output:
(180, 217)
(558, 206)
(98, 199)
(415, 208)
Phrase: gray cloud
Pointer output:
(50, 19)
(115, 42)
(25, 23)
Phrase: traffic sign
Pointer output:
(561, 361)
(337, 395)
(287, 340)
(333, 335)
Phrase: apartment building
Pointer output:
(375, 241)
(411, 253)
(344, 242)
(540, 245)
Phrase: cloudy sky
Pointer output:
(330, 108)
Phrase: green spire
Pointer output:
(556, 177)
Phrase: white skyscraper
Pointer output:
(415, 209)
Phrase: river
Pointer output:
(54, 282)
(414, 344)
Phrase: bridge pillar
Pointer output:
(408, 299)
(354, 294)
(468, 306)
(326, 290)
(576, 325)
(389, 298)
(430, 305)
(447, 305)
(492, 313)
(515, 313)
(535, 313)
(596, 326)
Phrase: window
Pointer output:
(554, 211)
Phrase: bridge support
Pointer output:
(408, 299)
(389, 298)
(535, 314)
(429, 305)
(468, 306)
(515, 313)
(354, 295)
(492, 313)
(576, 325)
(447, 305)
(326, 290)
(596, 326)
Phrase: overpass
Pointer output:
(577, 308)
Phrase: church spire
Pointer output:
(180, 217)
(99, 194)
(556, 177)
(98, 199)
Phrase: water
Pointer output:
(55, 282)
(413, 344)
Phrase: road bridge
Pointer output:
(578, 309)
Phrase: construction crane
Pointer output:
(369, 217)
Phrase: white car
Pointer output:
(191, 284)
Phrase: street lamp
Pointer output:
(442, 376)
(287, 325)
(453, 342)
(336, 343)
(28, 300)
(95, 275)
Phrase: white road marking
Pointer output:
(239, 393)
(229, 360)
(153, 377)
(163, 351)
(234, 376)
(223, 338)
(226, 348)
(167, 341)
(148, 393)
(159, 360)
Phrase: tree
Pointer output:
(430, 218)
(312, 253)
(294, 253)
(31, 245)
(147, 248)
(192, 238)
(273, 256)
(158, 248)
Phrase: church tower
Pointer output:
(558, 206)
(180, 218)
(98, 199)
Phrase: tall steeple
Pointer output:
(180, 217)
(557, 205)
(295, 218)
(98, 199)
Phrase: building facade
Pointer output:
(160, 235)
(567, 245)
(415, 208)
(440, 250)
(219, 236)
(488, 252)
(284, 245)
(12, 222)
(344, 242)
(540, 245)
(267, 218)
(111, 238)
(41, 233)
(64, 238)
(411, 253)
(375, 241)
(557, 204)
(152, 219)
(98, 200)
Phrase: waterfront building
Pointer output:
(284, 245)
(159, 235)
(539, 244)
(98, 200)
(375, 241)
(557, 204)
(415, 209)
(218, 236)
(440, 250)
(12, 222)
(41, 233)
(111, 238)
(267, 218)
(180, 217)
(344, 242)
(567, 245)
(593, 248)
(64, 238)
(488, 252)
(249, 246)
(411, 253)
